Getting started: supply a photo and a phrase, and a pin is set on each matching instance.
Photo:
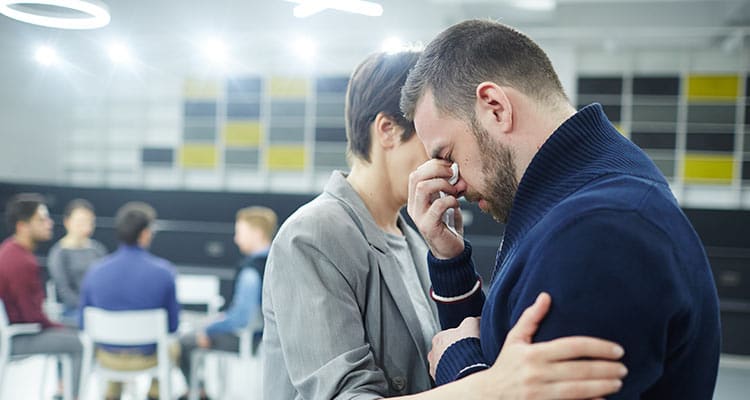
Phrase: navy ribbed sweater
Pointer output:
(595, 224)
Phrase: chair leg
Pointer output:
(4, 361)
(67, 372)
(196, 362)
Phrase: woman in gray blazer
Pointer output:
(345, 296)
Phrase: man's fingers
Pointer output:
(581, 389)
(585, 370)
(529, 321)
(569, 348)
(441, 205)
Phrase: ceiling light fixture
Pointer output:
(215, 50)
(46, 56)
(119, 53)
(97, 14)
(306, 8)
(305, 48)
(536, 5)
(392, 45)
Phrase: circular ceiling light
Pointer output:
(39, 12)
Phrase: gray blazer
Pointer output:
(339, 323)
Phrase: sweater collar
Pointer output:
(584, 147)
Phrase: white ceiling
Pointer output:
(165, 29)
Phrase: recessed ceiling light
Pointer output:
(97, 14)
(305, 48)
(536, 5)
(306, 8)
(392, 45)
(46, 56)
(215, 50)
(119, 53)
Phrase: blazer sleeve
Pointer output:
(319, 323)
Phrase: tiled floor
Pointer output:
(23, 378)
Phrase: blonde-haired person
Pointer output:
(253, 231)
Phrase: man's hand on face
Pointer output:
(426, 208)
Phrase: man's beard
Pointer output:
(500, 172)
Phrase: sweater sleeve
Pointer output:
(245, 304)
(460, 359)
(610, 275)
(172, 305)
(456, 288)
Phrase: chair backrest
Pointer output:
(125, 328)
(199, 290)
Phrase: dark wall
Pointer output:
(195, 229)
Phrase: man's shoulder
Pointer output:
(161, 266)
(13, 256)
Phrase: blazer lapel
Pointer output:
(339, 188)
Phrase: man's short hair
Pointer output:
(78, 204)
(132, 219)
(262, 218)
(375, 87)
(475, 51)
(22, 207)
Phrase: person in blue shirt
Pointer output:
(253, 231)
(589, 219)
(131, 278)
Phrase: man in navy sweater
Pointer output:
(590, 219)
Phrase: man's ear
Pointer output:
(386, 131)
(494, 107)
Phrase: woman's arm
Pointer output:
(574, 367)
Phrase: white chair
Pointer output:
(200, 290)
(246, 355)
(126, 328)
(7, 332)
(52, 307)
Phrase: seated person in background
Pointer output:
(253, 230)
(71, 256)
(131, 279)
(20, 285)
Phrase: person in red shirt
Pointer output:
(20, 285)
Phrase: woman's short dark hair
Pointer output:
(22, 207)
(475, 51)
(77, 204)
(132, 219)
(375, 87)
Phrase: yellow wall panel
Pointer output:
(198, 156)
(713, 87)
(701, 168)
(286, 158)
(242, 133)
(201, 89)
(286, 88)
